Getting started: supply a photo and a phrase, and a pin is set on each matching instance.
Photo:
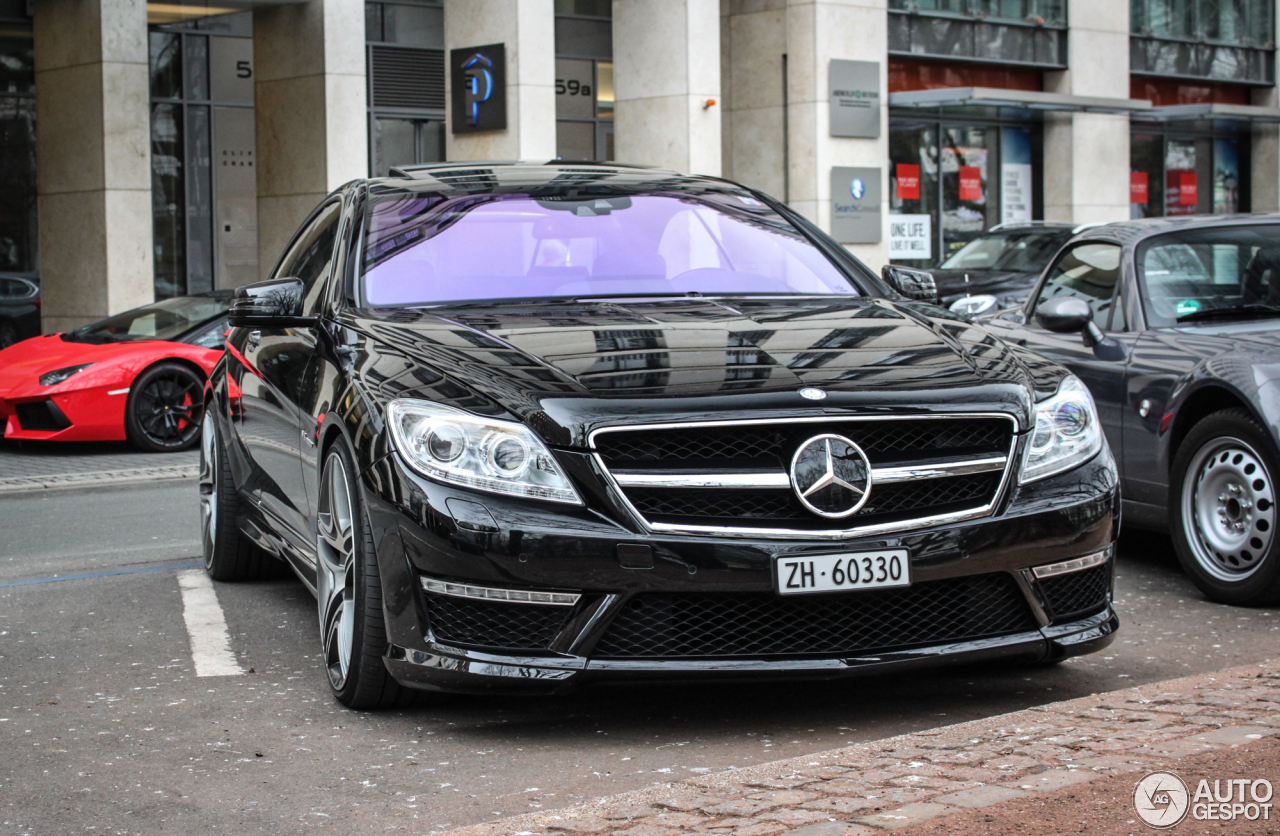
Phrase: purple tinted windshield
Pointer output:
(425, 249)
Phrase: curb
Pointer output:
(888, 784)
(98, 478)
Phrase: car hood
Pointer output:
(566, 368)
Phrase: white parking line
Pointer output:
(210, 641)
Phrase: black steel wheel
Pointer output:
(228, 554)
(1222, 495)
(165, 405)
(353, 634)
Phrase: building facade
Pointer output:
(155, 149)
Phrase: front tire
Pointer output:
(1223, 494)
(349, 594)
(164, 409)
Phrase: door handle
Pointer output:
(306, 436)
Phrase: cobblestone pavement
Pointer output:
(915, 778)
(31, 465)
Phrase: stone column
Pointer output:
(753, 43)
(1264, 152)
(93, 158)
(666, 66)
(1086, 155)
(817, 32)
(527, 29)
(312, 119)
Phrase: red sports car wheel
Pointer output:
(164, 409)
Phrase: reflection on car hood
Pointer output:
(567, 367)
(995, 282)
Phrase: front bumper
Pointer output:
(511, 544)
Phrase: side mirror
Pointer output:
(913, 284)
(1072, 315)
(275, 303)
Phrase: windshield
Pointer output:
(164, 320)
(1025, 251)
(1209, 269)
(423, 249)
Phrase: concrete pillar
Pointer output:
(817, 32)
(311, 113)
(753, 43)
(666, 66)
(1264, 152)
(527, 29)
(93, 157)
(1086, 155)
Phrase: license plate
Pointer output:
(836, 572)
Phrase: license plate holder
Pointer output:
(843, 572)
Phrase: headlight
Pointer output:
(56, 376)
(1067, 432)
(462, 449)
(973, 305)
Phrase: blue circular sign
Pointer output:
(857, 188)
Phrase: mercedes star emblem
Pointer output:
(831, 476)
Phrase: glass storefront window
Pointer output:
(584, 79)
(399, 142)
(1146, 176)
(405, 64)
(167, 201)
(18, 185)
(965, 161)
(1226, 176)
(1180, 173)
(913, 182)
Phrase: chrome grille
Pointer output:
(732, 477)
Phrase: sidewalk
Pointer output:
(31, 465)
(915, 783)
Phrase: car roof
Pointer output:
(552, 177)
(1131, 232)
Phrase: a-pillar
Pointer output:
(818, 32)
(93, 159)
(666, 68)
(526, 29)
(1086, 155)
(311, 114)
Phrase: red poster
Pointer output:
(971, 183)
(1187, 194)
(1138, 187)
(908, 181)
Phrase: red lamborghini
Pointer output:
(138, 375)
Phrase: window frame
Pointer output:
(1116, 293)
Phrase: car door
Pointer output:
(1092, 271)
(273, 367)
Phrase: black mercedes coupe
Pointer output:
(1174, 325)
(526, 426)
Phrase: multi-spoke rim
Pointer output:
(208, 489)
(168, 407)
(1229, 509)
(335, 580)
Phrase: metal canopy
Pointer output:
(1025, 99)
(1227, 112)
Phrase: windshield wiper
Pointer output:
(1252, 309)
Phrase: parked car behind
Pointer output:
(19, 310)
(1174, 325)
(997, 269)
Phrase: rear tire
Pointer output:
(164, 409)
(228, 554)
(353, 634)
(1223, 494)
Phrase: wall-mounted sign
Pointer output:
(1015, 175)
(478, 80)
(907, 177)
(971, 184)
(855, 205)
(855, 97)
(910, 237)
(1138, 187)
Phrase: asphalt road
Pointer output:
(105, 727)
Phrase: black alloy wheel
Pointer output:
(165, 405)
(349, 594)
(228, 554)
(1222, 494)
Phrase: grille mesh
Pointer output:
(407, 77)
(882, 441)
(720, 504)
(663, 625)
(1077, 593)
(495, 625)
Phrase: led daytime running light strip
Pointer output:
(515, 596)
(1066, 566)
